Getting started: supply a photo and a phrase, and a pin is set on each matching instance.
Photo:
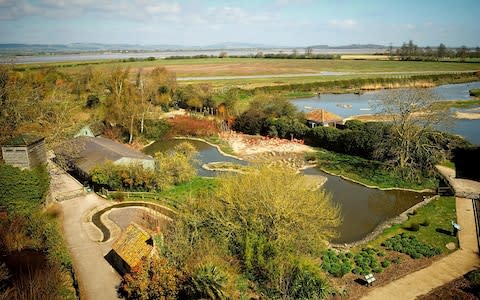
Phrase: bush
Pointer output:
(412, 227)
(189, 126)
(385, 263)
(206, 282)
(425, 222)
(22, 190)
(337, 265)
(308, 282)
(155, 129)
(92, 101)
(411, 246)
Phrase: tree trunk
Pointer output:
(131, 131)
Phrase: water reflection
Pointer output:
(206, 154)
(363, 208)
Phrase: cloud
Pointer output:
(163, 8)
(60, 9)
(343, 24)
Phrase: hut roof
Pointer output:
(132, 245)
(24, 140)
(93, 151)
(322, 116)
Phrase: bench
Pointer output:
(369, 279)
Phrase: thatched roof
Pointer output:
(322, 116)
(133, 245)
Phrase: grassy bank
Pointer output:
(172, 197)
(475, 93)
(367, 172)
(433, 222)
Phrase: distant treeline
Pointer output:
(411, 51)
(358, 83)
(259, 55)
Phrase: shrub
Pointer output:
(206, 282)
(412, 227)
(337, 264)
(155, 129)
(411, 246)
(92, 101)
(385, 263)
(425, 222)
(189, 126)
(308, 282)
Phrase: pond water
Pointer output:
(362, 208)
(362, 105)
(206, 154)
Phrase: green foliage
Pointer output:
(283, 127)
(425, 222)
(366, 262)
(263, 226)
(369, 172)
(308, 281)
(337, 265)
(475, 92)
(413, 226)
(280, 113)
(385, 263)
(410, 245)
(171, 168)
(92, 101)
(22, 189)
(155, 129)
(206, 282)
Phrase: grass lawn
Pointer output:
(368, 172)
(439, 214)
(176, 195)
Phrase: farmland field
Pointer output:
(207, 67)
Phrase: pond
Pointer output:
(206, 154)
(346, 105)
(362, 208)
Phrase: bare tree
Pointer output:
(413, 144)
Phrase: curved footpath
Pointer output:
(448, 268)
(97, 279)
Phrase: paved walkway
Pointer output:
(440, 272)
(464, 188)
(97, 279)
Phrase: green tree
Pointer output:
(441, 51)
(265, 218)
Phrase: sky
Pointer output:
(268, 22)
